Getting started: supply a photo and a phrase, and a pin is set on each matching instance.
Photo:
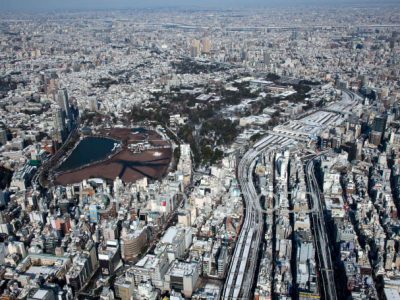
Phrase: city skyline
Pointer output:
(199, 150)
(46, 5)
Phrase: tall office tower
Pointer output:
(206, 45)
(243, 54)
(195, 48)
(62, 99)
(59, 125)
(393, 40)
(267, 57)
(379, 126)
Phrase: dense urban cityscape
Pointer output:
(193, 153)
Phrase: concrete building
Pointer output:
(182, 276)
(133, 242)
(175, 242)
(151, 268)
(109, 255)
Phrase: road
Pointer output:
(240, 276)
(245, 257)
(320, 235)
(36, 181)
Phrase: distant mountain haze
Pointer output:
(44, 5)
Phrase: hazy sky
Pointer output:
(117, 4)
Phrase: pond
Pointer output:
(89, 150)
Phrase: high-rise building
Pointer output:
(222, 261)
(59, 125)
(110, 229)
(133, 242)
(375, 138)
(206, 45)
(90, 251)
(195, 48)
(3, 136)
(379, 125)
(17, 248)
(4, 198)
(267, 58)
(80, 272)
(175, 241)
(359, 148)
(63, 102)
(93, 213)
(62, 224)
(50, 244)
(243, 54)
(109, 257)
